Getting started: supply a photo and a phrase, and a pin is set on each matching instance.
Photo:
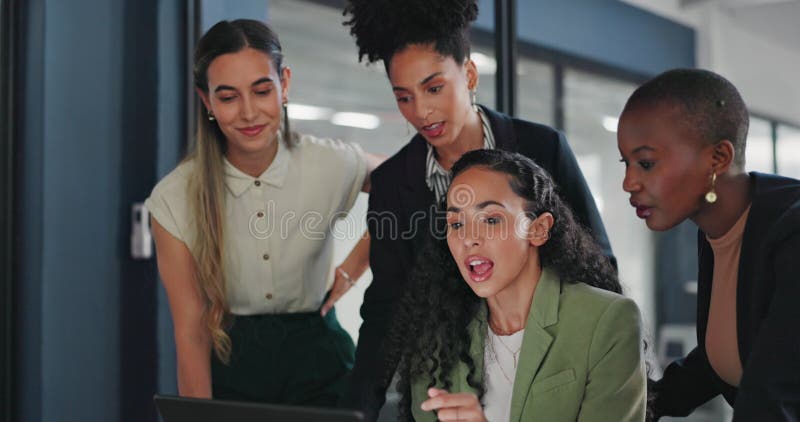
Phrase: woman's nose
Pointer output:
(630, 183)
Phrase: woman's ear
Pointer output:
(540, 229)
(286, 80)
(472, 74)
(722, 156)
(204, 96)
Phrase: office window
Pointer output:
(592, 105)
(758, 154)
(788, 151)
(483, 56)
(535, 91)
(332, 94)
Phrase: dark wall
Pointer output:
(7, 305)
(173, 67)
(71, 153)
(136, 175)
(87, 149)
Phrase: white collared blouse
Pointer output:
(279, 237)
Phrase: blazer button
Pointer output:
(266, 257)
(259, 214)
(257, 183)
(269, 296)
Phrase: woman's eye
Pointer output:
(647, 165)
(492, 220)
(435, 89)
(456, 225)
(403, 99)
(264, 92)
(227, 99)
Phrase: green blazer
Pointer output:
(581, 359)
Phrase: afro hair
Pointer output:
(384, 27)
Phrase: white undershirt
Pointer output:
(501, 369)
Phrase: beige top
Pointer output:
(722, 345)
(278, 226)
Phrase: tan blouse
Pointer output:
(722, 346)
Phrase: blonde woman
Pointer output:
(242, 232)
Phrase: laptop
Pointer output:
(184, 409)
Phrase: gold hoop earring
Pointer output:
(211, 117)
(711, 195)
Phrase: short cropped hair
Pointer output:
(711, 107)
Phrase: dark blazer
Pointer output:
(767, 316)
(400, 217)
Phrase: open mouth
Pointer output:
(433, 130)
(480, 268)
(643, 212)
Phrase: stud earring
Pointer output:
(211, 116)
(711, 195)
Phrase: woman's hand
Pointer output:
(348, 273)
(342, 282)
(454, 406)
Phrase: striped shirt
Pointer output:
(437, 178)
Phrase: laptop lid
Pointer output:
(184, 409)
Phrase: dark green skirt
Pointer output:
(295, 359)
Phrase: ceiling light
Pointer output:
(610, 123)
(308, 112)
(359, 120)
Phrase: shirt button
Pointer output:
(257, 183)
(266, 257)
(269, 296)
(259, 214)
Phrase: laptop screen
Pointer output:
(184, 409)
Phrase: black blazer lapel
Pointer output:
(418, 195)
(417, 200)
(505, 137)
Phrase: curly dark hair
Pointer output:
(383, 27)
(429, 334)
(710, 106)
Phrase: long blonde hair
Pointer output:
(206, 187)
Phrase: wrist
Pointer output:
(346, 276)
